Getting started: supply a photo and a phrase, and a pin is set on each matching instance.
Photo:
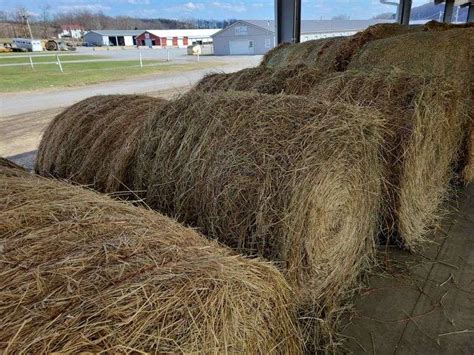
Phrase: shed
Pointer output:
(111, 37)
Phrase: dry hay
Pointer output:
(330, 54)
(293, 80)
(83, 273)
(335, 54)
(94, 141)
(291, 179)
(319, 53)
(5, 163)
(468, 173)
(427, 120)
(448, 53)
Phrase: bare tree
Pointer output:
(45, 19)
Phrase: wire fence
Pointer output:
(136, 59)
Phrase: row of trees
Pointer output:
(48, 24)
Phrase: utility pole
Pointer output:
(25, 18)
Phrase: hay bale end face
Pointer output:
(427, 120)
(83, 273)
(93, 142)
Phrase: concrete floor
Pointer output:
(421, 303)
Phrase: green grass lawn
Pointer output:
(49, 58)
(23, 78)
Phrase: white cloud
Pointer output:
(139, 2)
(191, 6)
(87, 7)
(230, 6)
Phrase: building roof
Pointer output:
(117, 32)
(184, 32)
(321, 26)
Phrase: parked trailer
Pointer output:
(25, 44)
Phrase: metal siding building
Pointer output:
(175, 38)
(111, 37)
(258, 36)
(244, 37)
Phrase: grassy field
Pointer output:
(23, 78)
(49, 58)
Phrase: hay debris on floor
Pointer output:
(83, 273)
(93, 142)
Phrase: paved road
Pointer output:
(24, 116)
(21, 103)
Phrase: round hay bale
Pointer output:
(84, 273)
(335, 54)
(447, 53)
(294, 180)
(320, 53)
(293, 80)
(5, 163)
(427, 120)
(93, 142)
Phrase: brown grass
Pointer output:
(294, 180)
(427, 120)
(83, 273)
(94, 141)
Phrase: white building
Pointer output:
(175, 38)
(111, 37)
(72, 31)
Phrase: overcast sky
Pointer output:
(209, 9)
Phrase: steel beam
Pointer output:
(448, 11)
(288, 21)
(470, 12)
(404, 11)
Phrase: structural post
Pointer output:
(288, 21)
(404, 11)
(448, 11)
(59, 63)
(470, 12)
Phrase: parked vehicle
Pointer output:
(26, 45)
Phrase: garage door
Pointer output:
(241, 47)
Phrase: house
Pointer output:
(111, 37)
(72, 31)
(175, 38)
(247, 37)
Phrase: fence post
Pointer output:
(59, 63)
(167, 54)
(31, 63)
(141, 61)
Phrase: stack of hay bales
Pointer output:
(95, 140)
(292, 179)
(83, 273)
(369, 146)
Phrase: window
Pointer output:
(250, 44)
